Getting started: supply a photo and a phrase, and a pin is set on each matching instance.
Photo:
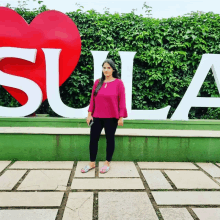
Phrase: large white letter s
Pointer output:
(32, 90)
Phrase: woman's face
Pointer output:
(107, 70)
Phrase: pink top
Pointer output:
(110, 101)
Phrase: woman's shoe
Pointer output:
(86, 169)
(105, 169)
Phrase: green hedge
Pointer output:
(168, 54)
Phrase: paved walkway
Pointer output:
(55, 190)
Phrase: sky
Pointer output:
(160, 8)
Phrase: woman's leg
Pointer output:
(95, 132)
(110, 126)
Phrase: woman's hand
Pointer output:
(120, 121)
(89, 118)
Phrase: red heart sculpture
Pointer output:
(50, 29)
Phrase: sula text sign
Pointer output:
(35, 95)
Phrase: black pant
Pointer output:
(110, 125)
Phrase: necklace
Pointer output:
(107, 82)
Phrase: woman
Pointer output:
(107, 109)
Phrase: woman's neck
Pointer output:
(108, 80)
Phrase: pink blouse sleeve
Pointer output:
(122, 103)
(91, 106)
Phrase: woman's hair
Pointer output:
(114, 74)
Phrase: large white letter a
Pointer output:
(190, 98)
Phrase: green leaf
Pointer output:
(194, 37)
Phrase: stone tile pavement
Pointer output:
(57, 190)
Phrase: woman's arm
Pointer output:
(122, 104)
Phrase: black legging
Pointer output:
(110, 125)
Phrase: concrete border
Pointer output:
(119, 132)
